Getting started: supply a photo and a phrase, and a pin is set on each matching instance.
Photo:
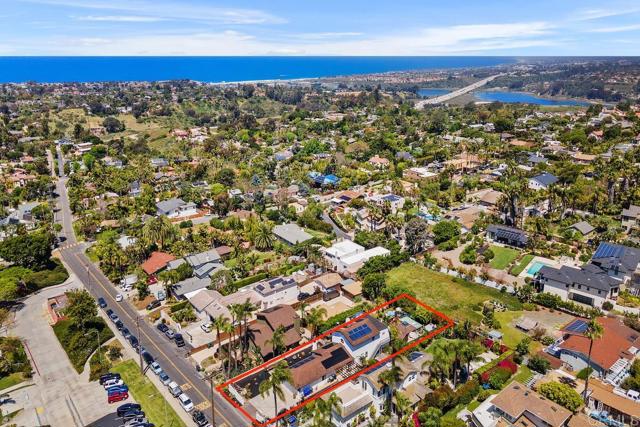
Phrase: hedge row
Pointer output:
(249, 280)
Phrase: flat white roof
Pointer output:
(343, 248)
(364, 256)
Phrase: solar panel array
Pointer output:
(359, 332)
(607, 250)
(414, 355)
(577, 326)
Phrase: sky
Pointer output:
(326, 27)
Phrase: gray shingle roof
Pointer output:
(291, 233)
(166, 206)
(545, 178)
(586, 276)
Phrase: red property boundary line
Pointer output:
(411, 345)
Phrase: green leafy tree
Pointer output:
(28, 250)
(562, 394)
(373, 285)
(81, 307)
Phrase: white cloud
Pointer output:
(592, 14)
(458, 39)
(119, 18)
(619, 29)
(328, 35)
(171, 9)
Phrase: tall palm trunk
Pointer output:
(275, 403)
(586, 381)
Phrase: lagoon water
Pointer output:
(221, 69)
(525, 98)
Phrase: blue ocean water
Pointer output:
(525, 98)
(221, 69)
(432, 92)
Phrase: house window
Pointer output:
(579, 286)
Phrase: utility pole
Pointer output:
(139, 344)
(213, 408)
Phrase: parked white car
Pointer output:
(207, 327)
(185, 402)
(155, 368)
(174, 389)
(113, 382)
(119, 298)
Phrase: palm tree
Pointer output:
(594, 331)
(469, 352)
(314, 319)
(442, 358)
(277, 341)
(278, 375)
(324, 409)
(403, 406)
(159, 230)
(220, 323)
(390, 378)
(228, 328)
(263, 236)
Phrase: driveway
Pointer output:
(60, 396)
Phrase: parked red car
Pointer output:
(117, 397)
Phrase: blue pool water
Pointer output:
(535, 267)
(525, 98)
(430, 93)
(222, 68)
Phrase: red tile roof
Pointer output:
(616, 340)
(156, 262)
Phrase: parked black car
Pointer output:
(162, 327)
(108, 376)
(147, 357)
(119, 325)
(179, 340)
(153, 304)
(123, 409)
(109, 312)
(199, 418)
(102, 303)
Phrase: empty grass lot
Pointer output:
(456, 298)
(503, 257)
(156, 408)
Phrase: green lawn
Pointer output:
(523, 374)
(511, 335)
(456, 298)
(156, 408)
(503, 257)
(523, 263)
(11, 380)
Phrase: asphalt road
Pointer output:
(174, 361)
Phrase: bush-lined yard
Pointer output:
(456, 298)
(79, 342)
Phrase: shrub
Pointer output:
(482, 396)
(528, 306)
(539, 364)
(607, 305)
(442, 398)
(584, 373)
(467, 391)
(562, 394)
(499, 377)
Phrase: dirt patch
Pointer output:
(142, 304)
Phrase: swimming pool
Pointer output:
(535, 267)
